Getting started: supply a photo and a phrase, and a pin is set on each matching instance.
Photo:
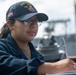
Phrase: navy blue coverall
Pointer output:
(14, 62)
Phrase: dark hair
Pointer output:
(5, 30)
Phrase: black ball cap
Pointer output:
(24, 10)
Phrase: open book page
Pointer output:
(66, 73)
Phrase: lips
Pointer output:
(32, 33)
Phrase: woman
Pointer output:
(17, 54)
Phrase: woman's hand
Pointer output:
(57, 67)
(65, 65)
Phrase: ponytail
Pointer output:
(5, 30)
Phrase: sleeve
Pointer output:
(11, 65)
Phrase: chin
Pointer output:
(30, 39)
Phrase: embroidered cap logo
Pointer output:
(10, 14)
(28, 6)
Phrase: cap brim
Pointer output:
(41, 17)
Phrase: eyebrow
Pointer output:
(35, 19)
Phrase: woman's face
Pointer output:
(25, 31)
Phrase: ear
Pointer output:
(9, 24)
